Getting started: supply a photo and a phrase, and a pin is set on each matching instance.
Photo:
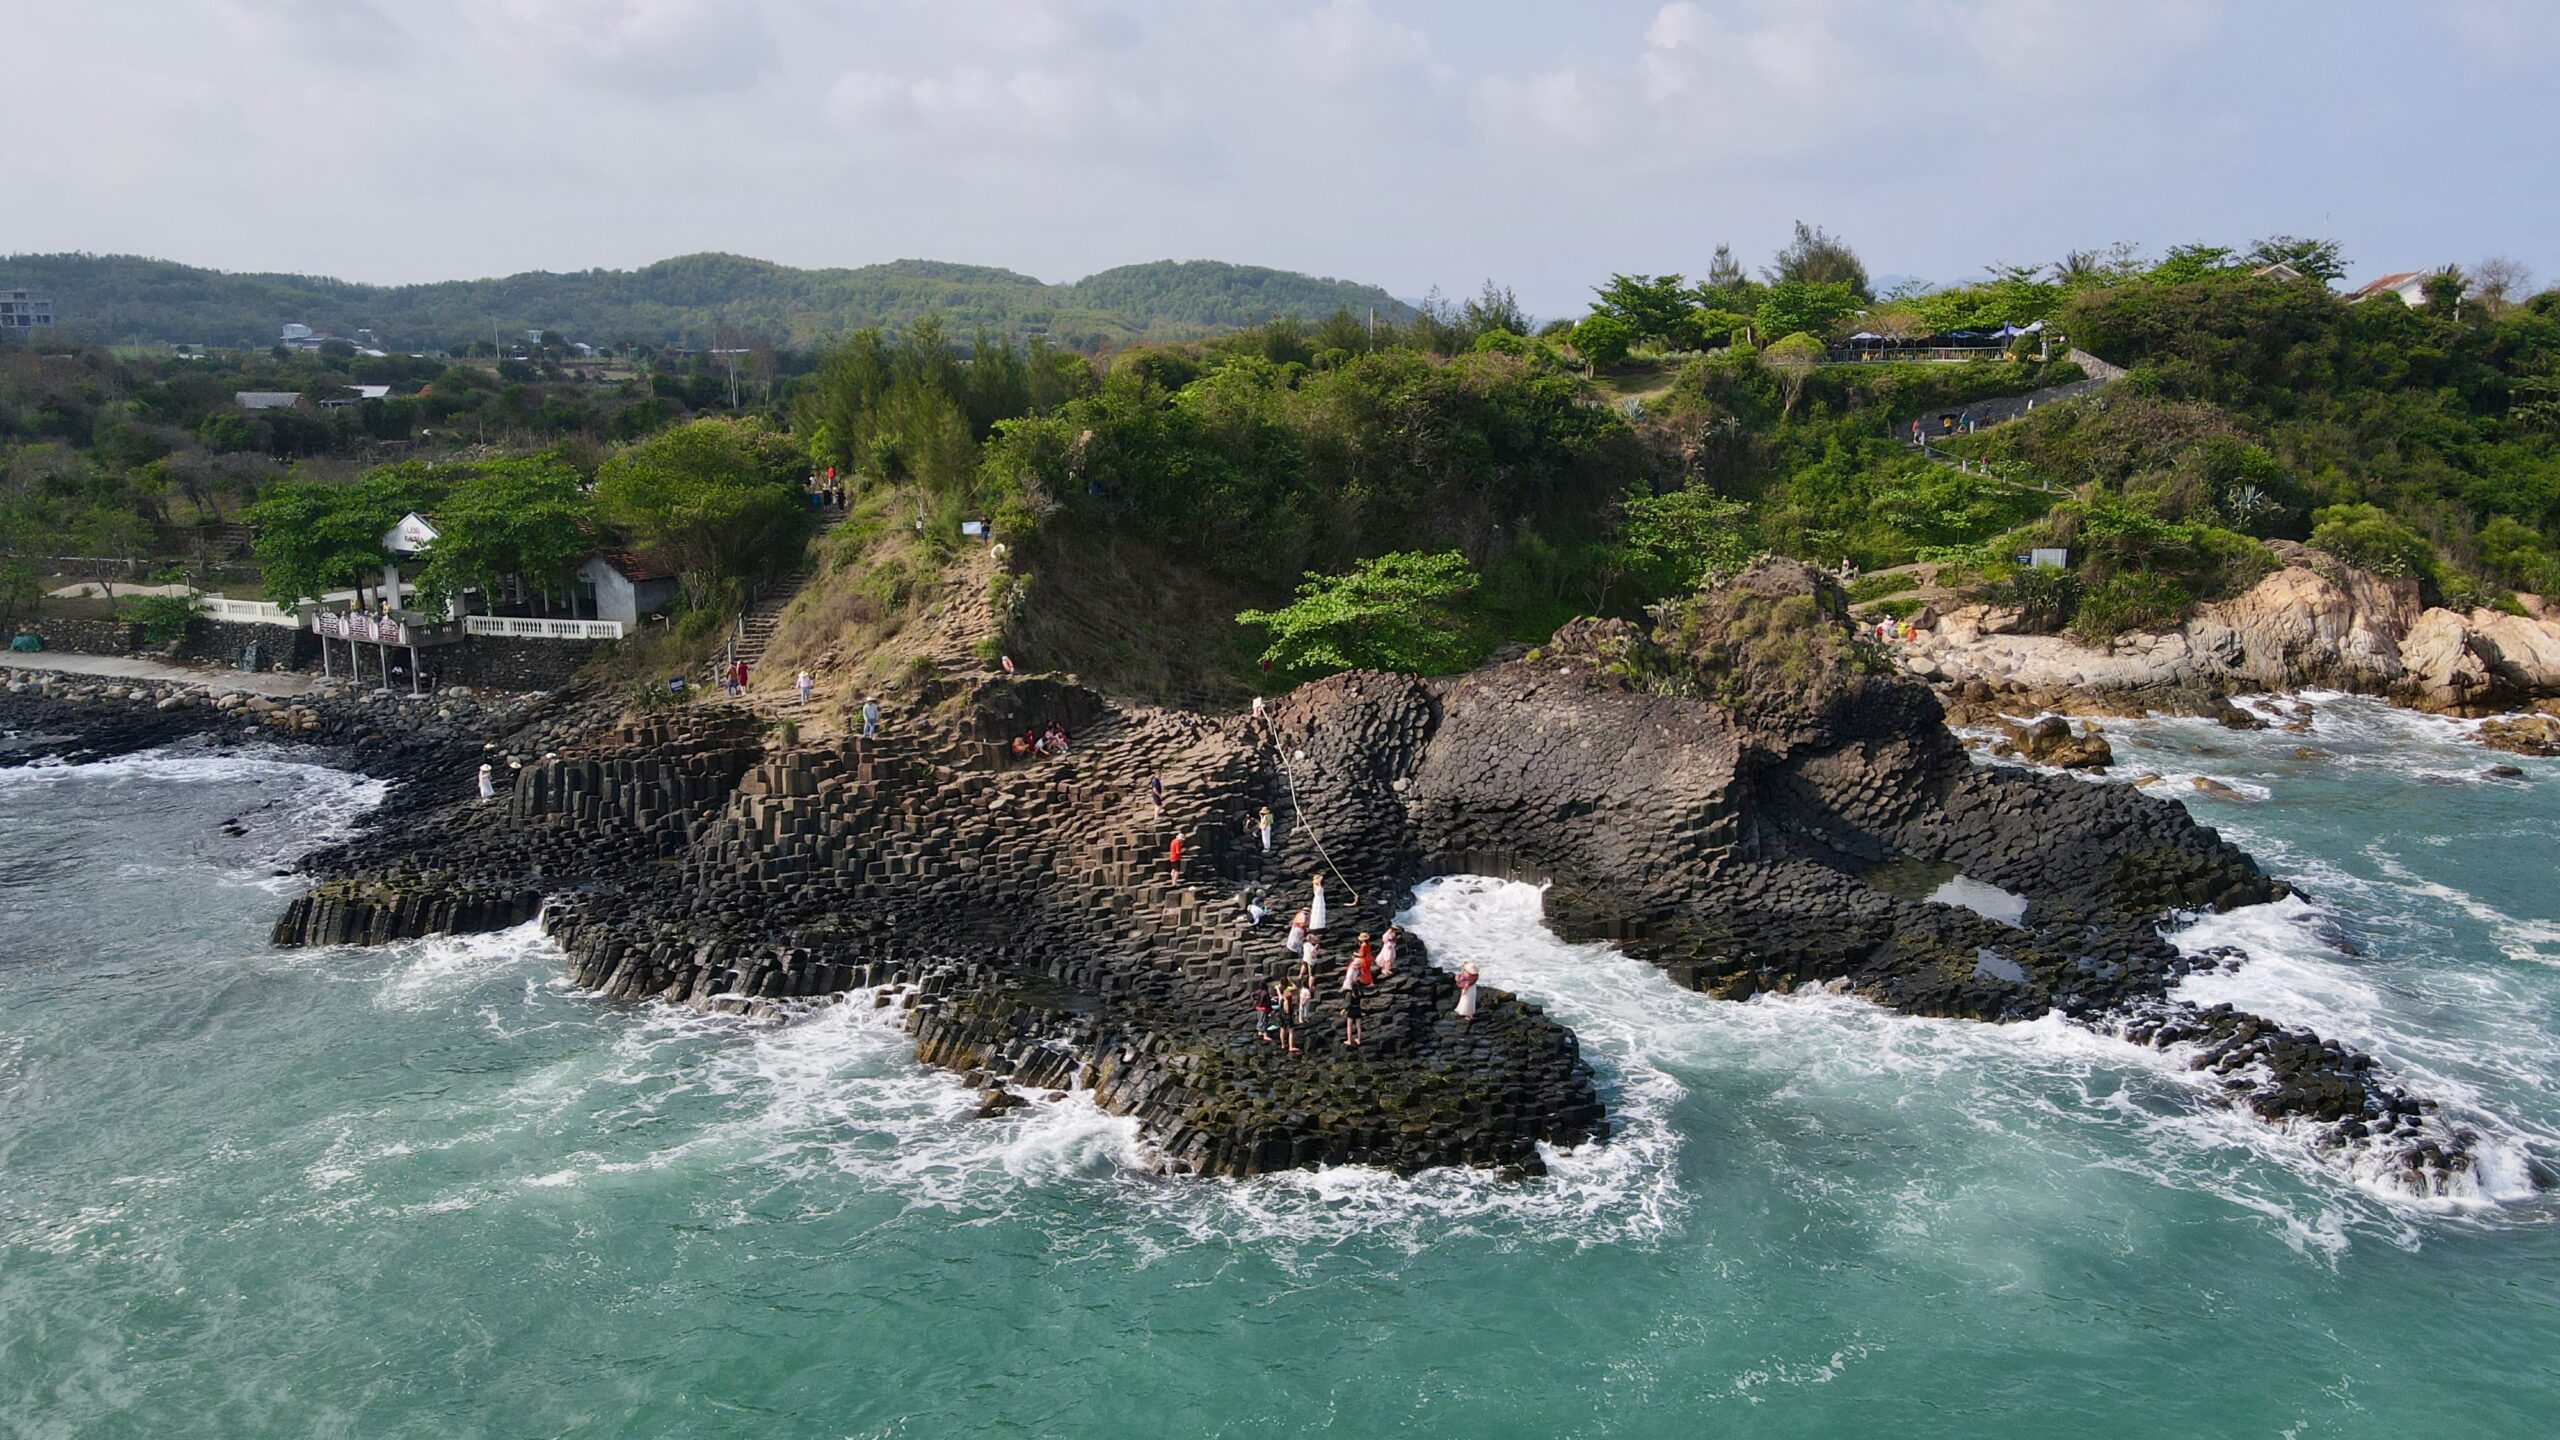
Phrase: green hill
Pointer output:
(120, 298)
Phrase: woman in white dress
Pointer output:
(1387, 952)
(488, 788)
(1297, 940)
(1467, 991)
(1315, 912)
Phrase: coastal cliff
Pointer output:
(1744, 793)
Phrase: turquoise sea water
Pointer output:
(430, 1191)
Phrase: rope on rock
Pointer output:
(1290, 778)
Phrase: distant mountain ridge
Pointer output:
(117, 298)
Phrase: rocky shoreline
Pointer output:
(2313, 624)
(1736, 795)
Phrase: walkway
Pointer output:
(118, 667)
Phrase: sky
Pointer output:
(1543, 144)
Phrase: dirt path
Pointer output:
(118, 667)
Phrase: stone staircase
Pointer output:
(756, 626)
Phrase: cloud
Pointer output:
(663, 47)
(1412, 142)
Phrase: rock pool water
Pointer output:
(430, 1191)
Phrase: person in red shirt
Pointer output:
(1173, 853)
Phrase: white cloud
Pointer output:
(1412, 142)
(665, 47)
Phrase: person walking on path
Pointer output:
(1351, 1014)
(1315, 912)
(1387, 951)
(488, 789)
(1266, 829)
(1467, 992)
(805, 684)
(870, 718)
(1297, 940)
(1008, 664)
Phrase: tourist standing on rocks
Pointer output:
(1155, 791)
(870, 718)
(1467, 992)
(1262, 1010)
(804, 684)
(1297, 940)
(1290, 1008)
(1253, 912)
(1351, 1014)
(1266, 829)
(488, 789)
(1387, 951)
(1315, 911)
(1173, 856)
(1364, 962)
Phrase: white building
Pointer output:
(2409, 285)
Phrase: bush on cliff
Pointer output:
(1395, 612)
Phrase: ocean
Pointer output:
(431, 1190)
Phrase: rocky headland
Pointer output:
(1745, 793)
(2312, 624)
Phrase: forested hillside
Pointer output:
(692, 299)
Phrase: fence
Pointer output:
(533, 627)
(247, 612)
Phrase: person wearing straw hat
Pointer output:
(488, 786)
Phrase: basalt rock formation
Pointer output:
(1745, 793)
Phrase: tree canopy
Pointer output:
(1391, 612)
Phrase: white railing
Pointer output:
(372, 629)
(535, 627)
(247, 612)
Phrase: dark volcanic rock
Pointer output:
(1712, 792)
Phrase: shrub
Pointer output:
(2369, 538)
(2136, 601)
(163, 618)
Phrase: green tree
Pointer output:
(1816, 308)
(719, 498)
(1817, 257)
(1652, 307)
(1602, 341)
(1793, 361)
(529, 519)
(2315, 259)
(1395, 612)
(1669, 542)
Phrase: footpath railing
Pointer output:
(536, 627)
(247, 612)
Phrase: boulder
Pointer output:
(2522, 734)
(2050, 741)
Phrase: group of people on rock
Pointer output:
(1890, 631)
(1036, 741)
